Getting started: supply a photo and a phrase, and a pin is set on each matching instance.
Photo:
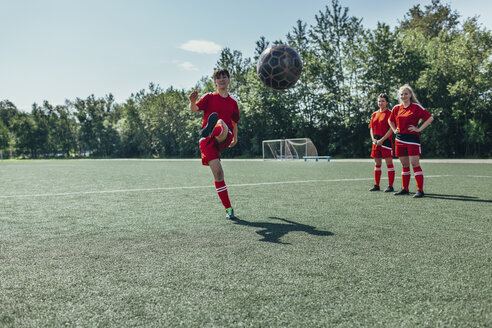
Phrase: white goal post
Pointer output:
(296, 148)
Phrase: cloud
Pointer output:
(201, 46)
(187, 66)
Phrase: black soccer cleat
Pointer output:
(401, 192)
(419, 194)
(375, 188)
(211, 121)
(389, 189)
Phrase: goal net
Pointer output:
(288, 148)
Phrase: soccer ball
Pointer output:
(279, 67)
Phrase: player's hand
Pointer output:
(233, 143)
(413, 128)
(193, 96)
(379, 143)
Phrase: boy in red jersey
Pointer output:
(403, 121)
(382, 143)
(219, 130)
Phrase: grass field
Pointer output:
(145, 243)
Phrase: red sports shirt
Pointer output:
(404, 117)
(379, 122)
(226, 108)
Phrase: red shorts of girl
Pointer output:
(210, 148)
(407, 149)
(382, 151)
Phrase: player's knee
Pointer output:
(225, 130)
(415, 161)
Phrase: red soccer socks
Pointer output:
(377, 174)
(221, 188)
(419, 177)
(391, 174)
(405, 177)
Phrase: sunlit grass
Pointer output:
(146, 243)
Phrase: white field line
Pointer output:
(191, 187)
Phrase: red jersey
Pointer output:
(404, 117)
(379, 122)
(226, 108)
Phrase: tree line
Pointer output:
(346, 67)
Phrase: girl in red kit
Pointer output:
(403, 121)
(219, 130)
(382, 143)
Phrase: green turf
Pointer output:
(122, 243)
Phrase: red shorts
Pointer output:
(381, 152)
(209, 147)
(407, 149)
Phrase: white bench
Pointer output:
(316, 158)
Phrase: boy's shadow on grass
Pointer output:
(458, 197)
(272, 232)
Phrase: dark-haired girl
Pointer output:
(382, 143)
(219, 130)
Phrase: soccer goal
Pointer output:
(288, 148)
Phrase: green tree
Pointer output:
(458, 85)
(7, 112)
(131, 131)
(378, 62)
(97, 118)
(63, 133)
(4, 136)
(25, 134)
(161, 122)
(337, 42)
(436, 18)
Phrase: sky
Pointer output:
(66, 49)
